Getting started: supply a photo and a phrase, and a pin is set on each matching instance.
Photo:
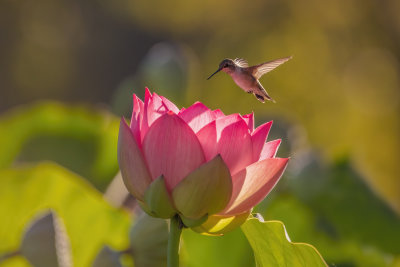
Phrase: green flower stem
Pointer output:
(175, 230)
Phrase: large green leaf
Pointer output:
(79, 138)
(271, 246)
(90, 221)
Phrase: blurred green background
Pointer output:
(68, 70)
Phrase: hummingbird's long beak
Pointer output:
(214, 73)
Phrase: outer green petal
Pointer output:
(206, 190)
(193, 222)
(158, 201)
(145, 208)
(219, 225)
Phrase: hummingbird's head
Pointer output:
(227, 65)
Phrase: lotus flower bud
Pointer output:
(209, 168)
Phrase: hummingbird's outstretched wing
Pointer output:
(241, 62)
(260, 69)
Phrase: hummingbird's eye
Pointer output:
(226, 65)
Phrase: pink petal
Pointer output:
(223, 122)
(137, 115)
(144, 122)
(197, 116)
(171, 149)
(218, 113)
(269, 150)
(155, 109)
(234, 144)
(137, 105)
(249, 119)
(258, 137)
(252, 185)
(147, 96)
(208, 139)
(131, 162)
(171, 106)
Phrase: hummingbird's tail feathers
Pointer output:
(271, 99)
(261, 93)
(264, 96)
(260, 98)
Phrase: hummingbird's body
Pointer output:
(247, 77)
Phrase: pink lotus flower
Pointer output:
(209, 168)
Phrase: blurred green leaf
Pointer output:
(90, 221)
(107, 257)
(229, 250)
(332, 208)
(79, 138)
(271, 246)
(45, 243)
(149, 240)
(304, 224)
(340, 196)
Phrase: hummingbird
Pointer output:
(247, 77)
